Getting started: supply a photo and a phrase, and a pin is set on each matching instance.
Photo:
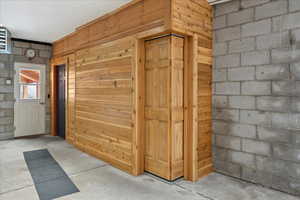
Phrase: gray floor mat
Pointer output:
(49, 178)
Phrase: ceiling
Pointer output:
(49, 20)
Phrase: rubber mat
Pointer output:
(49, 178)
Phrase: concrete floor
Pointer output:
(98, 180)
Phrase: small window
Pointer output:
(29, 84)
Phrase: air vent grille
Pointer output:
(5, 41)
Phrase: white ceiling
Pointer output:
(49, 20)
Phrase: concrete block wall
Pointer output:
(7, 90)
(256, 92)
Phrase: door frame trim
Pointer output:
(189, 130)
(43, 94)
(53, 93)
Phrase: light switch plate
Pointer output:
(8, 82)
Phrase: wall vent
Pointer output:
(5, 40)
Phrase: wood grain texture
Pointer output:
(134, 17)
(70, 107)
(105, 105)
(115, 80)
(164, 107)
(193, 18)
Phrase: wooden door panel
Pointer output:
(157, 108)
(164, 107)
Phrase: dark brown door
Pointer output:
(61, 118)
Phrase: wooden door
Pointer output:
(164, 107)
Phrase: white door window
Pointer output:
(29, 90)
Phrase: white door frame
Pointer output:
(42, 68)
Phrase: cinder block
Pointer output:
(220, 153)
(6, 136)
(285, 55)
(228, 88)
(2, 65)
(220, 101)
(294, 5)
(295, 104)
(241, 74)
(4, 73)
(273, 72)
(219, 75)
(6, 121)
(2, 81)
(242, 130)
(251, 3)
(226, 114)
(6, 104)
(236, 46)
(241, 17)
(280, 120)
(255, 117)
(268, 164)
(290, 88)
(271, 9)
(7, 113)
(219, 22)
(295, 38)
(256, 28)
(256, 147)
(256, 176)
(45, 54)
(284, 22)
(295, 71)
(275, 40)
(256, 58)
(284, 183)
(230, 60)
(228, 7)
(294, 121)
(293, 170)
(228, 168)
(220, 127)
(227, 34)
(21, 44)
(219, 48)
(4, 57)
(228, 142)
(286, 152)
(6, 128)
(242, 158)
(6, 89)
(273, 134)
(41, 46)
(242, 102)
(256, 88)
(17, 51)
(270, 103)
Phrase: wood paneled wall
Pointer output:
(194, 18)
(135, 17)
(106, 89)
(70, 80)
(105, 102)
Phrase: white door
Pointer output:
(29, 91)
